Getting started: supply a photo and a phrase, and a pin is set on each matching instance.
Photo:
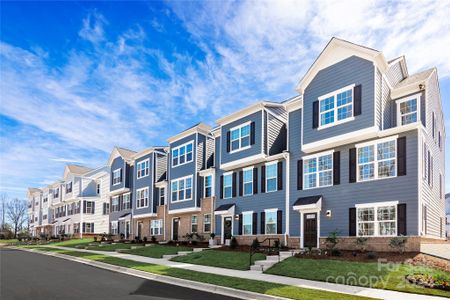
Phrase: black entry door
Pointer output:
(175, 229)
(310, 230)
(227, 228)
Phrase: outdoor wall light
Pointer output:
(328, 213)
(236, 217)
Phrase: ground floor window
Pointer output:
(156, 227)
(194, 224)
(76, 228)
(377, 220)
(271, 221)
(88, 227)
(114, 228)
(207, 223)
(247, 223)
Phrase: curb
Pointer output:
(204, 287)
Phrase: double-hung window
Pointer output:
(182, 154)
(162, 196)
(182, 189)
(377, 219)
(142, 198)
(89, 207)
(248, 181)
(156, 227)
(115, 203)
(126, 201)
(69, 187)
(98, 188)
(207, 223)
(240, 137)
(271, 177)
(271, 221)
(318, 170)
(377, 160)
(142, 168)
(228, 185)
(336, 107)
(407, 110)
(194, 224)
(247, 223)
(208, 186)
(114, 227)
(117, 176)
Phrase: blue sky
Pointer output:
(78, 78)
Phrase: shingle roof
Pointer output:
(224, 207)
(76, 169)
(415, 78)
(307, 200)
(125, 153)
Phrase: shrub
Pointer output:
(371, 255)
(361, 243)
(212, 235)
(145, 239)
(398, 243)
(332, 240)
(335, 252)
(233, 243)
(95, 239)
(255, 244)
(276, 244)
(153, 239)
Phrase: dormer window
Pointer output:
(407, 110)
(240, 137)
(117, 176)
(182, 155)
(336, 107)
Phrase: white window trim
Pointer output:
(405, 99)
(276, 177)
(119, 182)
(224, 186)
(160, 228)
(114, 225)
(210, 222)
(244, 182)
(375, 206)
(164, 195)
(112, 205)
(244, 213)
(178, 189)
(240, 138)
(196, 222)
(129, 199)
(316, 156)
(146, 200)
(335, 108)
(375, 161)
(212, 185)
(185, 154)
(146, 169)
(265, 220)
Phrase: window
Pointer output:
(89, 207)
(248, 181)
(114, 227)
(318, 170)
(88, 227)
(115, 203)
(247, 223)
(69, 187)
(141, 198)
(194, 224)
(156, 227)
(70, 209)
(208, 186)
(182, 154)
(240, 137)
(45, 199)
(142, 168)
(227, 185)
(98, 188)
(377, 220)
(76, 228)
(126, 201)
(377, 160)
(271, 221)
(77, 207)
(440, 140)
(44, 217)
(117, 176)
(56, 193)
(336, 107)
(207, 223)
(106, 210)
(271, 177)
(407, 110)
(162, 196)
(182, 189)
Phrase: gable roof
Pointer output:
(337, 50)
(126, 154)
(248, 111)
(75, 169)
(411, 84)
(199, 127)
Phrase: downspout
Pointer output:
(81, 213)
(287, 160)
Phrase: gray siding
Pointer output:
(276, 135)
(353, 70)
(201, 152)
(144, 182)
(118, 163)
(388, 106)
(210, 152)
(395, 74)
(161, 167)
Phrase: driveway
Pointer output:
(25, 275)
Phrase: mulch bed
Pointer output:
(428, 281)
(363, 257)
(430, 261)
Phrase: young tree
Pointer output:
(17, 214)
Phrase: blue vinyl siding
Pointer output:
(118, 163)
(144, 182)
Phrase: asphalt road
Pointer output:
(26, 275)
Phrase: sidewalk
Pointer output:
(333, 287)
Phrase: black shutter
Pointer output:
(120, 202)
(255, 180)
(315, 112)
(121, 175)
(401, 219)
(263, 179)
(252, 133)
(84, 227)
(228, 141)
(84, 206)
(336, 167)
(352, 221)
(93, 207)
(352, 165)
(92, 227)
(104, 208)
(221, 187)
(234, 184)
(201, 181)
(401, 156)
(240, 225)
(280, 176)
(357, 100)
(300, 174)
(279, 222)
(263, 223)
(241, 182)
(255, 223)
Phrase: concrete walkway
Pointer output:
(255, 275)
(439, 250)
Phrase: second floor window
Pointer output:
(182, 189)
(182, 154)
(77, 207)
(162, 196)
(117, 176)
(142, 168)
(56, 193)
(336, 107)
(240, 137)
(227, 186)
(115, 203)
(126, 201)
(69, 187)
(208, 186)
(318, 171)
(377, 160)
(407, 111)
(142, 198)
(271, 177)
(248, 181)
(89, 207)
(98, 188)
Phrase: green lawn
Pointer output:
(357, 273)
(223, 259)
(256, 286)
(74, 242)
(9, 241)
(157, 251)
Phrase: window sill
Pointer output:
(240, 149)
(178, 201)
(318, 187)
(336, 123)
(185, 163)
(376, 179)
(141, 207)
(142, 176)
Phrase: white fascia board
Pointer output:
(183, 210)
(149, 215)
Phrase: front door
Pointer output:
(310, 230)
(176, 223)
(227, 226)
(139, 233)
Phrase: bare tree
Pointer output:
(17, 214)
(3, 200)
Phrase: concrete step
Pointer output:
(136, 247)
(265, 262)
(148, 245)
(169, 256)
(273, 258)
(184, 252)
(258, 268)
(199, 249)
